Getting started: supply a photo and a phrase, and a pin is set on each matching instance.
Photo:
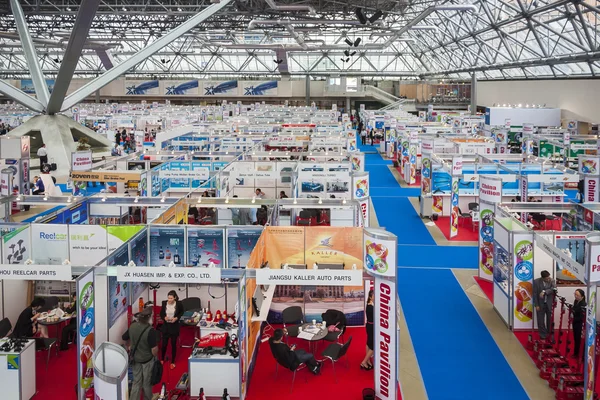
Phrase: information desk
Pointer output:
(17, 373)
(215, 373)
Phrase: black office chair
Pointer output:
(190, 304)
(293, 318)
(463, 216)
(335, 351)
(473, 206)
(45, 344)
(333, 317)
(284, 363)
(5, 327)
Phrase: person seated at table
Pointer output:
(71, 328)
(26, 325)
(290, 355)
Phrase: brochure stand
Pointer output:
(110, 372)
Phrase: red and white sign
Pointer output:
(81, 161)
(490, 190)
(385, 339)
(457, 166)
(507, 123)
(591, 189)
(594, 269)
(5, 189)
(427, 146)
(527, 128)
(566, 138)
(364, 210)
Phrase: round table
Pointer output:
(317, 336)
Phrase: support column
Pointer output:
(97, 96)
(348, 105)
(473, 94)
(307, 90)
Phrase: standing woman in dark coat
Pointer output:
(578, 318)
(366, 362)
(171, 312)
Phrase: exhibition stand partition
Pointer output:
(520, 254)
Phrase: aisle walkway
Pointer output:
(452, 344)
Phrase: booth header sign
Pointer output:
(457, 166)
(101, 176)
(36, 272)
(490, 190)
(200, 173)
(344, 277)
(169, 275)
(562, 258)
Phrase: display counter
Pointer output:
(216, 372)
(17, 372)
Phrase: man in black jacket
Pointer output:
(290, 356)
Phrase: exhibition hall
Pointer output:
(275, 199)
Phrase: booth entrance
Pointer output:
(231, 364)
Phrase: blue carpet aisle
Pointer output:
(394, 211)
(457, 356)
(451, 342)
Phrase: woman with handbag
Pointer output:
(171, 312)
(366, 362)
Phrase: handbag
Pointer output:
(132, 352)
(157, 372)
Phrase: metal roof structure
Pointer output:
(410, 39)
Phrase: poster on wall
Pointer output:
(86, 325)
(206, 246)
(334, 245)
(166, 246)
(118, 302)
(454, 213)
(120, 234)
(141, 88)
(259, 88)
(51, 244)
(88, 244)
(117, 291)
(574, 247)
(27, 85)
(358, 162)
(240, 243)
(523, 281)
(425, 175)
(228, 88)
(16, 248)
(139, 249)
(180, 88)
(412, 160)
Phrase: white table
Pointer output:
(216, 372)
(17, 373)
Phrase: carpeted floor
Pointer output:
(351, 379)
(465, 230)
(487, 288)
(454, 348)
(417, 178)
(398, 216)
